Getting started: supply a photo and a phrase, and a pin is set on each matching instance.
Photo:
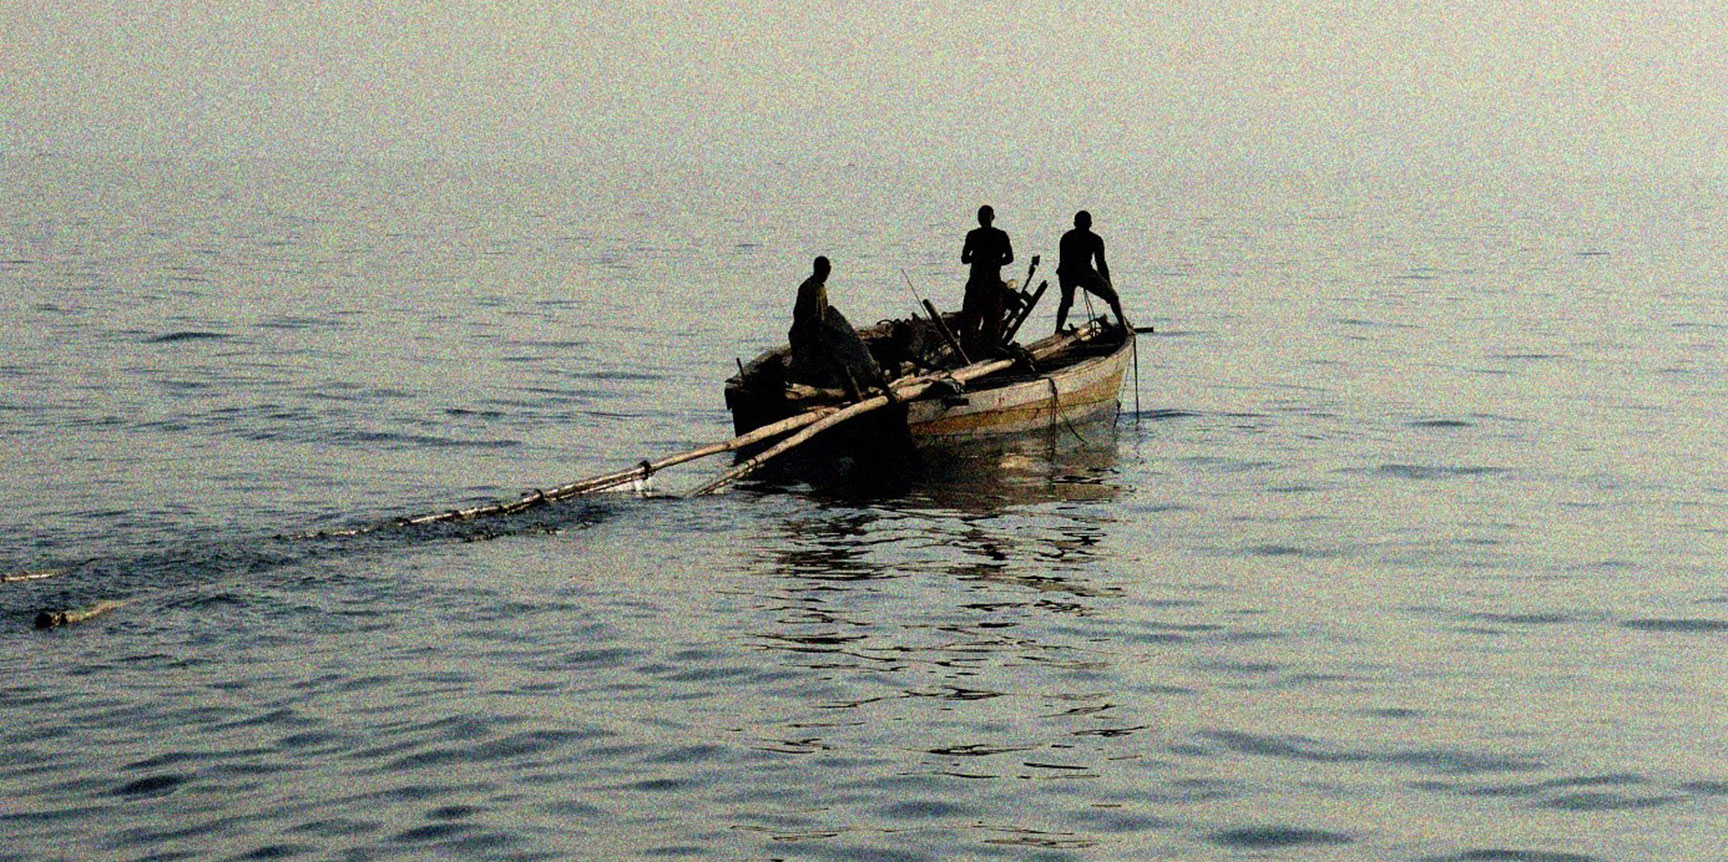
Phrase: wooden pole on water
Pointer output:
(812, 422)
(904, 392)
(19, 577)
(595, 484)
(55, 619)
(797, 439)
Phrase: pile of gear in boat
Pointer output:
(827, 352)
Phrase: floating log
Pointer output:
(55, 619)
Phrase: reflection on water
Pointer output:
(937, 641)
(1070, 464)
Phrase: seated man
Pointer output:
(1074, 269)
(826, 350)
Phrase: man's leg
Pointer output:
(1067, 300)
(1102, 289)
(971, 320)
(991, 330)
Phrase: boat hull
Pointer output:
(1079, 393)
(1059, 382)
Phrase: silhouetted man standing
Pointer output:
(987, 250)
(1074, 269)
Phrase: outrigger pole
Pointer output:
(906, 391)
(607, 481)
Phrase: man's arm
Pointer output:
(1103, 268)
(1007, 250)
(966, 250)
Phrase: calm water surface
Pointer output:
(1410, 544)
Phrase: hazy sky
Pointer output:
(1301, 84)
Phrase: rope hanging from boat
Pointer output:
(1056, 411)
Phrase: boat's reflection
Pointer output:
(1067, 464)
(1022, 514)
(968, 605)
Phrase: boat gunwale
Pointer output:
(1102, 371)
(1085, 341)
(1097, 343)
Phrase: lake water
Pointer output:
(1410, 543)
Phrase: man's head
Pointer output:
(1082, 219)
(820, 267)
(986, 215)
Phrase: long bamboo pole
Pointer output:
(595, 484)
(44, 574)
(797, 439)
(905, 391)
(55, 619)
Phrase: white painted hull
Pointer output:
(1081, 392)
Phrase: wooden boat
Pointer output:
(941, 400)
(936, 397)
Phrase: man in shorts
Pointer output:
(1074, 269)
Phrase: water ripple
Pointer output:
(1401, 578)
(1504, 855)
(1443, 760)
(187, 335)
(1678, 626)
(1277, 837)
